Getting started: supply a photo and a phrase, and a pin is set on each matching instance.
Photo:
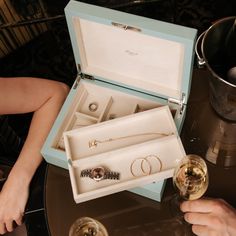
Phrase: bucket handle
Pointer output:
(201, 62)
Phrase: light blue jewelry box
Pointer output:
(148, 61)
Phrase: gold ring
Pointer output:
(93, 106)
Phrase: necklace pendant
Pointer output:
(93, 143)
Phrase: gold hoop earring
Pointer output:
(141, 166)
(149, 171)
(156, 158)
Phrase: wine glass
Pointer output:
(86, 226)
(190, 180)
(191, 177)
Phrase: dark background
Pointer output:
(48, 54)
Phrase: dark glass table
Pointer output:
(45, 56)
(204, 133)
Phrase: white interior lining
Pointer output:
(124, 132)
(130, 57)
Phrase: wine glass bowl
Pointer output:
(86, 226)
(191, 177)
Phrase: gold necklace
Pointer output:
(94, 143)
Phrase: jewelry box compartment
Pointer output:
(122, 154)
(94, 104)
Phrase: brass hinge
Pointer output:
(80, 76)
(84, 76)
(180, 103)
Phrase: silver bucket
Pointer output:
(222, 91)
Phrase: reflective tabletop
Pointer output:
(125, 213)
(49, 55)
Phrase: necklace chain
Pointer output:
(93, 143)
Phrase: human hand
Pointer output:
(13, 198)
(210, 217)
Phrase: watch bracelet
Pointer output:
(85, 173)
(112, 175)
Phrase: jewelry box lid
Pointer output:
(144, 54)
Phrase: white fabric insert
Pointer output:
(130, 57)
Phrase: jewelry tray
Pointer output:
(110, 104)
(127, 139)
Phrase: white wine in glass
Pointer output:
(86, 226)
(191, 177)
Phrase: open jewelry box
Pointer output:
(127, 66)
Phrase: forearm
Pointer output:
(30, 157)
(44, 98)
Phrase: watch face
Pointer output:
(98, 173)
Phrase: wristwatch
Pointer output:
(100, 173)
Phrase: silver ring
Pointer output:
(93, 106)
(99, 173)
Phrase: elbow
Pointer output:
(61, 91)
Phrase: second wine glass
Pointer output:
(86, 226)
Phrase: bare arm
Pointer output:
(21, 95)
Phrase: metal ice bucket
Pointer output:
(211, 43)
